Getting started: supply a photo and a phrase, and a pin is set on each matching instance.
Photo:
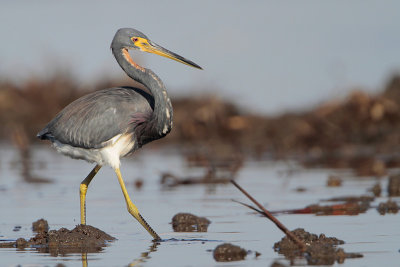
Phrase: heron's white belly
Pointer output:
(116, 148)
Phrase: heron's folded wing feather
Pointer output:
(94, 119)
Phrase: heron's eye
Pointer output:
(134, 39)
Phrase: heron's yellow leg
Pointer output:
(83, 189)
(84, 259)
(133, 210)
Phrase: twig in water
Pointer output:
(250, 207)
(272, 218)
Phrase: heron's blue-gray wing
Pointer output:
(93, 119)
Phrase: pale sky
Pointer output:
(268, 56)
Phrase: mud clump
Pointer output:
(229, 252)
(388, 207)
(21, 243)
(40, 225)
(321, 250)
(376, 190)
(277, 264)
(394, 185)
(186, 222)
(81, 239)
(334, 181)
(82, 236)
(139, 183)
(308, 238)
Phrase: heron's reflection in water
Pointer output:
(145, 255)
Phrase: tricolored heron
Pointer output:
(109, 124)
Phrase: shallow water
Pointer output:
(272, 184)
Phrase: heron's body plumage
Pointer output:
(96, 122)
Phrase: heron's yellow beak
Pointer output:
(150, 47)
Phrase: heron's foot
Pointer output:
(133, 210)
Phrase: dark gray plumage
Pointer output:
(92, 120)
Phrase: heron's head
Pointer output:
(129, 38)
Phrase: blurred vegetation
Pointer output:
(360, 129)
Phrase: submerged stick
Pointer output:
(250, 207)
(272, 218)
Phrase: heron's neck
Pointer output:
(162, 113)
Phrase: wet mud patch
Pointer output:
(394, 185)
(40, 225)
(81, 239)
(376, 190)
(229, 252)
(320, 250)
(388, 207)
(186, 222)
(277, 264)
(334, 181)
